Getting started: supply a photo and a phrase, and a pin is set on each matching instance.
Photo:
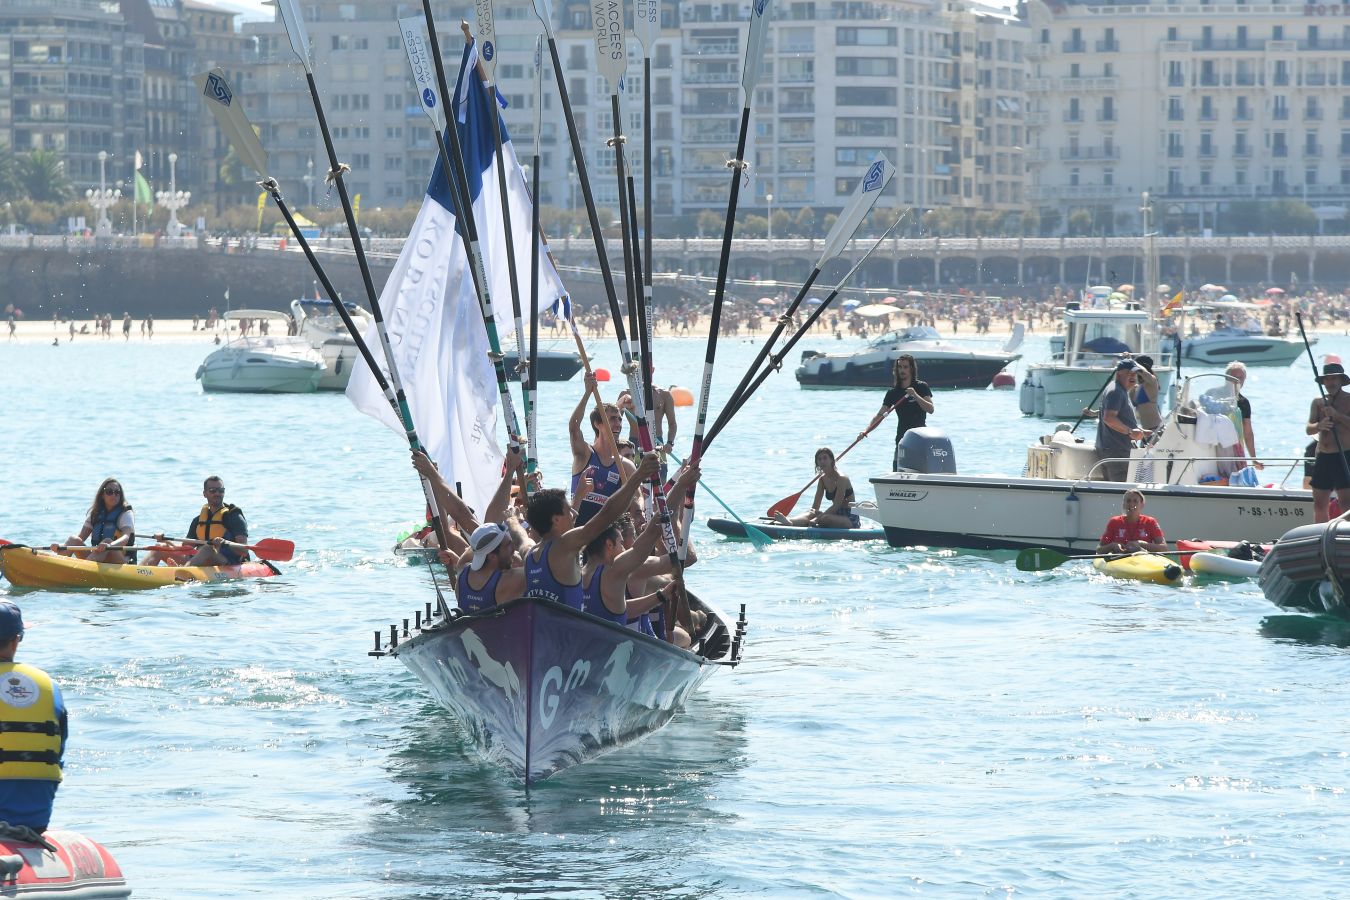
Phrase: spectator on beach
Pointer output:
(126, 326)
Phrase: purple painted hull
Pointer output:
(542, 687)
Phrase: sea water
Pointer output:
(906, 721)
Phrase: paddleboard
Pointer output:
(733, 529)
(1199, 546)
(1140, 567)
(1224, 566)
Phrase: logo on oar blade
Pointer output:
(872, 180)
(216, 89)
(429, 98)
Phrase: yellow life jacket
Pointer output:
(30, 731)
(210, 525)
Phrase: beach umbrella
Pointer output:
(914, 293)
(1214, 288)
(814, 301)
(874, 311)
(890, 299)
(1228, 298)
(1100, 288)
(767, 301)
(1274, 291)
(1163, 288)
(1126, 288)
(851, 304)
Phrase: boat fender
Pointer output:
(1073, 516)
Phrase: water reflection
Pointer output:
(1318, 630)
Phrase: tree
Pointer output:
(805, 222)
(988, 223)
(43, 177)
(1080, 222)
(710, 223)
(782, 223)
(754, 227)
(1050, 221)
(1031, 223)
(9, 175)
(1289, 216)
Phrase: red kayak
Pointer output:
(1194, 546)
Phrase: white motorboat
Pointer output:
(257, 363)
(1184, 472)
(1247, 343)
(942, 363)
(323, 328)
(1094, 340)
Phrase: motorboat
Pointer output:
(1190, 471)
(554, 365)
(319, 323)
(1094, 339)
(941, 363)
(258, 363)
(1228, 341)
(540, 687)
(57, 865)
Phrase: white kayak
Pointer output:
(1224, 566)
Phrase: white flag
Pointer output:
(433, 318)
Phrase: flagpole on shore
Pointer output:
(229, 113)
(754, 54)
(487, 72)
(452, 160)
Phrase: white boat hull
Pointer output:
(234, 369)
(986, 512)
(1062, 392)
(339, 359)
(1222, 347)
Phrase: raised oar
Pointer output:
(1039, 559)
(784, 506)
(750, 73)
(776, 361)
(1345, 464)
(431, 92)
(229, 114)
(532, 395)
(646, 26)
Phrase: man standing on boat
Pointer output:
(1329, 420)
(1117, 426)
(911, 399)
(33, 732)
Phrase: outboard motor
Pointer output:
(927, 451)
(1309, 568)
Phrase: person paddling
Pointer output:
(220, 525)
(552, 567)
(605, 470)
(1329, 422)
(1133, 531)
(911, 399)
(109, 526)
(833, 486)
(34, 732)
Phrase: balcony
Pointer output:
(729, 77)
(715, 137)
(1315, 80)
(663, 133)
(1280, 151)
(1312, 150)
(1089, 154)
(1074, 46)
(663, 98)
(721, 49)
(1312, 115)
(1209, 79)
(796, 78)
(796, 107)
(1245, 79)
(1072, 117)
(1206, 152)
(1037, 119)
(694, 109)
(1280, 113)
(1036, 51)
(798, 47)
(1099, 83)
(1103, 116)
(1111, 46)
(1177, 47)
(1037, 85)
(1242, 152)
(1176, 80)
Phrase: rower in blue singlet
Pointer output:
(541, 582)
(605, 480)
(489, 577)
(607, 470)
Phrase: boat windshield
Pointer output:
(1093, 340)
(904, 335)
(1214, 394)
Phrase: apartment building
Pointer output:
(1200, 105)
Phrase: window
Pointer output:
(1173, 181)
(1206, 143)
(863, 127)
(864, 96)
(1310, 176)
(1174, 145)
(864, 66)
(1174, 109)
(865, 37)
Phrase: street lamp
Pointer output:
(769, 199)
(308, 178)
(102, 198)
(173, 199)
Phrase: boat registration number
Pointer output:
(1274, 512)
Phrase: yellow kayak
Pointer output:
(1140, 567)
(29, 567)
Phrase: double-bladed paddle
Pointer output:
(1039, 559)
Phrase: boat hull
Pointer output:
(553, 365)
(1062, 392)
(32, 568)
(339, 359)
(267, 376)
(945, 369)
(541, 687)
(1253, 350)
(1002, 513)
(80, 869)
(733, 529)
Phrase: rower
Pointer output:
(459, 512)
(552, 568)
(608, 472)
(1133, 531)
(489, 576)
(911, 399)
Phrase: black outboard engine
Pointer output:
(1309, 569)
(927, 451)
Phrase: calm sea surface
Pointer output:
(905, 721)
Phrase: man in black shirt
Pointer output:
(911, 399)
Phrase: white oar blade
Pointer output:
(413, 29)
(544, 13)
(295, 30)
(646, 23)
(878, 175)
(754, 46)
(487, 38)
(610, 55)
(224, 104)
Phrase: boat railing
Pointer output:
(1294, 463)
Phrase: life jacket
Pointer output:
(210, 525)
(30, 731)
(103, 521)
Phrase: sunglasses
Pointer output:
(112, 490)
(217, 490)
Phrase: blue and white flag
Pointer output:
(432, 314)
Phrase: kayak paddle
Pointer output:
(785, 505)
(1039, 559)
(274, 549)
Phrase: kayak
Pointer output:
(1140, 567)
(734, 529)
(29, 567)
(1205, 546)
(1224, 566)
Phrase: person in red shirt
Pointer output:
(1133, 531)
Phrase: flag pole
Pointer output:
(487, 75)
(229, 114)
(750, 69)
(452, 161)
(532, 371)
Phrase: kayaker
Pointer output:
(911, 399)
(609, 472)
(33, 731)
(552, 567)
(833, 486)
(1117, 425)
(608, 568)
(221, 525)
(1133, 531)
(1329, 421)
(109, 526)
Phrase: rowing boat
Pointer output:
(1140, 567)
(33, 568)
(733, 529)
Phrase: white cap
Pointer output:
(484, 540)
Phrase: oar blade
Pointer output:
(865, 195)
(224, 104)
(295, 30)
(784, 506)
(1039, 559)
(274, 549)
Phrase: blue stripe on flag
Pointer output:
(477, 142)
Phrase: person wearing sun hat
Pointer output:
(1329, 421)
(488, 573)
(1117, 425)
(33, 732)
